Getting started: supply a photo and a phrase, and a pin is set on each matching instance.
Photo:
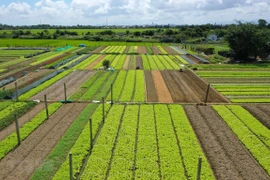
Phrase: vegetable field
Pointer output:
(64, 114)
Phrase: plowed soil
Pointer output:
(139, 62)
(127, 49)
(99, 49)
(22, 120)
(228, 158)
(150, 87)
(163, 93)
(23, 161)
(28, 79)
(170, 50)
(260, 113)
(195, 60)
(56, 91)
(95, 62)
(155, 50)
(142, 50)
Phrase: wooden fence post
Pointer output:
(46, 106)
(199, 168)
(16, 91)
(91, 133)
(70, 167)
(207, 92)
(17, 130)
(65, 91)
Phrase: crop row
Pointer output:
(127, 92)
(108, 57)
(46, 57)
(10, 142)
(86, 62)
(241, 124)
(162, 50)
(7, 114)
(81, 148)
(233, 74)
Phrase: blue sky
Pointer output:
(130, 12)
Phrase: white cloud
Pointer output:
(134, 11)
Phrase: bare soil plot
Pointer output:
(22, 120)
(99, 49)
(95, 62)
(150, 87)
(227, 156)
(126, 63)
(180, 88)
(155, 50)
(200, 87)
(73, 81)
(196, 61)
(127, 49)
(139, 62)
(23, 161)
(163, 93)
(170, 50)
(28, 79)
(142, 50)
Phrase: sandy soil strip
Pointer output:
(93, 64)
(126, 63)
(73, 82)
(229, 159)
(23, 161)
(161, 88)
(22, 120)
(151, 93)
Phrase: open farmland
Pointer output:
(155, 123)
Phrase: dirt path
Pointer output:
(163, 93)
(151, 93)
(170, 50)
(22, 162)
(139, 62)
(73, 82)
(259, 114)
(95, 62)
(28, 79)
(227, 156)
(126, 63)
(142, 50)
(22, 120)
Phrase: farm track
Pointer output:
(139, 62)
(28, 79)
(229, 159)
(142, 50)
(22, 162)
(162, 91)
(22, 120)
(259, 114)
(170, 50)
(151, 93)
(93, 64)
(73, 82)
